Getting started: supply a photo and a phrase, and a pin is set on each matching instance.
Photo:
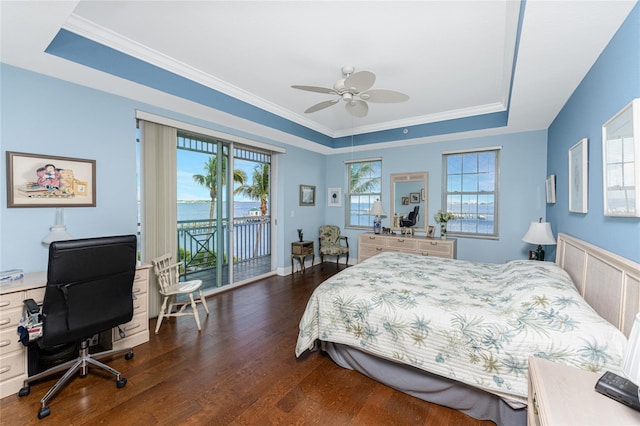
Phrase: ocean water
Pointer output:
(200, 211)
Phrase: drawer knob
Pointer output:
(378, 248)
(5, 321)
(4, 304)
(433, 243)
(372, 238)
(425, 253)
(401, 240)
(5, 343)
(5, 369)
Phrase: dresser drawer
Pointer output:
(399, 244)
(12, 365)
(435, 248)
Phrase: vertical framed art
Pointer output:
(578, 177)
(334, 198)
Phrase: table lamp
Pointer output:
(58, 230)
(539, 233)
(379, 212)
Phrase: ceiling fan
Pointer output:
(353, 88)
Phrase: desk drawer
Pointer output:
(138, 323)
(11, 300)
(9, 341)
(401, 244)
(9, 318)
(435, 248)
(12, 365)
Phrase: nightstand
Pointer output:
(300, 250)
(564, 395)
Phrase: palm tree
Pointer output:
(258, 190)
(209, 179)
(361, 178)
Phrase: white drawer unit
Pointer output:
(370, 244)
(13, 355)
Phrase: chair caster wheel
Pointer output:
(121, 383)
(44, 412)
(24, 391)
(128, 356)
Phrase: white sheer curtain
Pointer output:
(158, 206)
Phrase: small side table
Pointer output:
(300, 250)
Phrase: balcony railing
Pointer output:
(198, 242)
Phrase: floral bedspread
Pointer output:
(473, 322)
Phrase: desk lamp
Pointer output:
(379, 212)
(539, 233)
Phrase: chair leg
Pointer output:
(195, 310)
(162, 313)
(204, 302)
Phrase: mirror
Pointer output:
(408, 191)
(621, 162)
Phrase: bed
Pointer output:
(460, 333)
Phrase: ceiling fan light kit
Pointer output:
(353, 88)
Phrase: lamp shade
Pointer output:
(631, 363)
(539, 233)
(377, 209)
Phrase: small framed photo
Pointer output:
(307, 195)
(431, 232)
(405, 201)
(414, 197)
(35, 180)
(550, 189)
(578, 173)
(334, 197)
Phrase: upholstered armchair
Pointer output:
(331, 243)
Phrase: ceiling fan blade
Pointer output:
(321, 105)
(359, 81)
(357, 108)
(316, 89)
(384, 96)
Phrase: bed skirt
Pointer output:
(428, 387)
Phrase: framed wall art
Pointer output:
(36, 180)
(550, 189)
(621, 162)
(307, 195)
(335, 197)
(414, 197)
(578, 175)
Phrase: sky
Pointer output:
(191, 163)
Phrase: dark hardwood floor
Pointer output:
(239, 370)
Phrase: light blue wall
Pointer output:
(522, 175)
(48, 116)
(612, 82)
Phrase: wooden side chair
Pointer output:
(170, 286)
(331, 243)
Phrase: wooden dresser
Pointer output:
(13, 355)
(370, 244)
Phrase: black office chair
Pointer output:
(411, 219)
(89, 290)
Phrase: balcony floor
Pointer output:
(241, 272)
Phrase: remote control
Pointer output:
(619, 389)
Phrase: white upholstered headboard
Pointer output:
(608, 282)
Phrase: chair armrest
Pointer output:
(345, 238)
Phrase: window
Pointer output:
(365, 178)
(471, 192)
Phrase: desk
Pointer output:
(300, 250)
(13, 355)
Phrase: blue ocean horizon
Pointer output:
(199, 210)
